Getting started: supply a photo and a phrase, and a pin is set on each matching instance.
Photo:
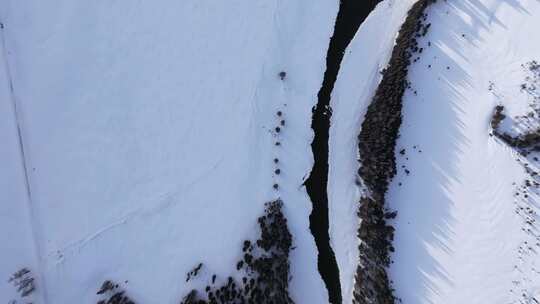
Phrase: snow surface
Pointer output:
(458, 236)
(147, 129)
(148, 145)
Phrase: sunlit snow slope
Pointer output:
(459, 237)
(148, 136)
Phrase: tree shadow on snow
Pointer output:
(434, 138)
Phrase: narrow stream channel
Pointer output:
(351, 14)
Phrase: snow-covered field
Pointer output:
(148, 130)
(137, 140)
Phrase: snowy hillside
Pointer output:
(141, 142)
(458, 235)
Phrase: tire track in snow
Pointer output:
(29, 206)
(165, 202)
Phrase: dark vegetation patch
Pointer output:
(194, 272)
(23, 281)
(112, 293)
(377, 144)
(528, 140)
(264, 267)
(497, 117)
(525, 143)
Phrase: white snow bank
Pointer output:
(357, 81)
(149, 142)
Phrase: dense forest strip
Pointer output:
(377, 141)
(351, 14)
(264, 267)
